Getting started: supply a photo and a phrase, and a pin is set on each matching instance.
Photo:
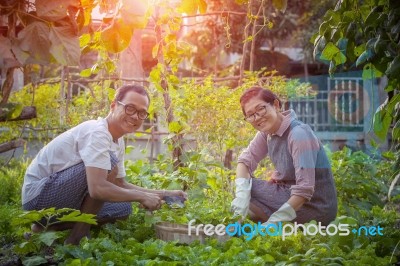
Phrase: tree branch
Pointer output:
(12, 145)
(217, 13)
(253, 40)
(28, 112)
(246, 42)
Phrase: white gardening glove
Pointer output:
(285, 213)
(240, 205)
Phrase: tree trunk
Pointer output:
(246, 43)
(253, 40)
(178, 138)
(228, 159)
(7, 86)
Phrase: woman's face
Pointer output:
(263, 116)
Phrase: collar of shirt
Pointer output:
(288, 117)
(114, 145)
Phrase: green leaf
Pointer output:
(396, 28)
(7, 59)
(191, 7)
(48, 237)
(84, 39)
(77, 216)
(393, 69)
(332, 68)
(86, 73)
(54, 10)
(323, 28)
(212, 182)
(348, 16)
(382, 120)
(342, 44)
(319, 45)
(129, 149)
(117, 36)
(154, 51)
(133, 13)
(27, 218)
(280, 4)
(65, 45)
(359, 49)
(373, 16)
(380, 45)
(339, 59)
(268, 258)
(174, 127)
(370, 72)
(396, 131)
(202, 6)
(364, 57)
(10, 110)
(329, 51)
(35, 40)
(26, 247)
(33, 261)
(16, 111)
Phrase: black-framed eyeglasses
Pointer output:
(260, 112)
(130, 109)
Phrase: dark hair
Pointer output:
(122, 91)
(264, 94)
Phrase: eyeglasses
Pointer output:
(260, 112)
(130, 109)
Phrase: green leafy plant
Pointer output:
(357, 182)
(38, 248)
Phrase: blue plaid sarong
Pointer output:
(68, 188)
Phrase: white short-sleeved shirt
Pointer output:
(89, 142)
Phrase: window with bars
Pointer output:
(341, 105)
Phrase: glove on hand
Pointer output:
(285, 213)
(240, 205)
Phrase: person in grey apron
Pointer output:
(301, 187)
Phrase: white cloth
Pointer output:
(88, 142)
(240, 205)
(286, 213)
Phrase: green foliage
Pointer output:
(361, 182)
(10, 110)
(210, 112)
(133, 241)
(51, 33)
(11, 179)
(7, 229)
(36, 248)
(52, 216)
(200, 177)
(368, 34)
(55, 116)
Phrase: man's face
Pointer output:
(129, 111)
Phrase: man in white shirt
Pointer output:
(83, 168)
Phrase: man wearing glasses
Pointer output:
(83, 168)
